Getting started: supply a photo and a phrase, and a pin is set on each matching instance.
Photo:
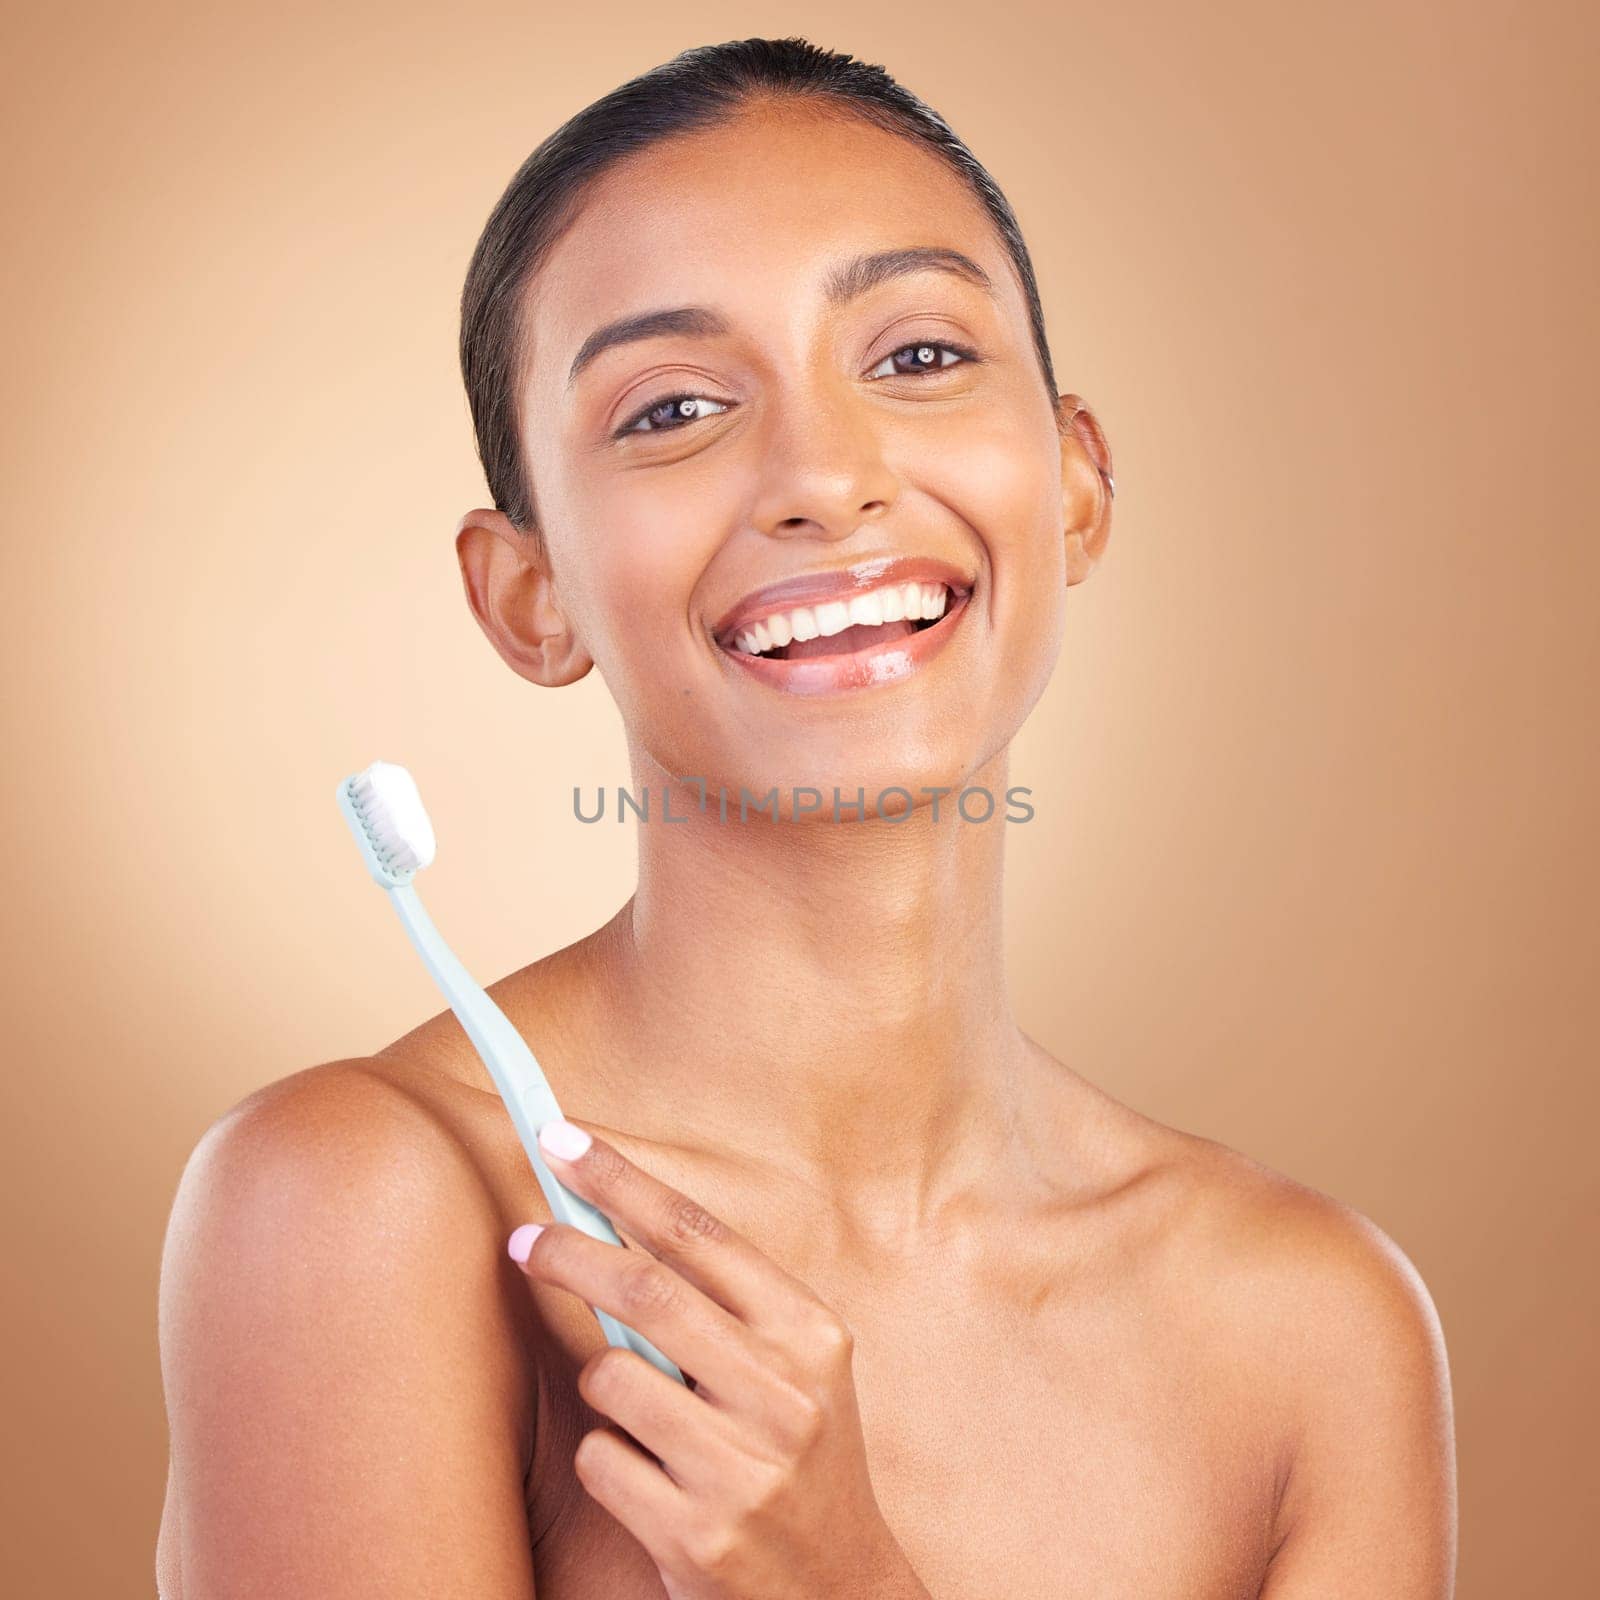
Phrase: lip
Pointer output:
(891, 662)
(814, 588)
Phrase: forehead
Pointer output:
(748, 216)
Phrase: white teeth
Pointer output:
(833, 616)
(908, 602)
(867, 609)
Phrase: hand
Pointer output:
(756, 1485)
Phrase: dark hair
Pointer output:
(699, 88)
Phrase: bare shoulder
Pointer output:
(338, 1150)
(351, 1106)
(1345, 1345)
(1302, 1272)
(342, 1178)
(342, 1343)
(1331, 1341)
(1303, 1266)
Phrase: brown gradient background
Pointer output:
(1312, 870)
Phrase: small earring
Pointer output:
(1111, 483)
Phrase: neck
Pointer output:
(827, 998)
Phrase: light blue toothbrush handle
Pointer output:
(527, 1096)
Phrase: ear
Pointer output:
(512, 594)
(1085, 485)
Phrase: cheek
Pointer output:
(1004, 483)
(644, 554)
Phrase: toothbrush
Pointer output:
(385, 812)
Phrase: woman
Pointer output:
(747, 340)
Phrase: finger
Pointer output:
(647, 1295)
(705, 1250)
(618, 1474)
(678, 1428)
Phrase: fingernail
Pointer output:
(563, 1140)
(521, 1241)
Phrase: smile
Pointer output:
(876, 623)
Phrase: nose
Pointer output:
(823, 468)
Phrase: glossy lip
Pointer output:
(891, 662)
(814, 588)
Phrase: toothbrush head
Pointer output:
(389, 821)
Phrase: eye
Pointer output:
(921, 358)
(673, 412)
(663, 416)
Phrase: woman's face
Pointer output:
(803, 428)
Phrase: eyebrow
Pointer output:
(845, 282)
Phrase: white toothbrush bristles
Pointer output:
(385, 797)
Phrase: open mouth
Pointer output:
(867, 621)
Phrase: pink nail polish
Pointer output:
(521, 1241)
(564, 1139)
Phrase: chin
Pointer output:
(821, 783)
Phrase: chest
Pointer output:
(1064, 1450)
